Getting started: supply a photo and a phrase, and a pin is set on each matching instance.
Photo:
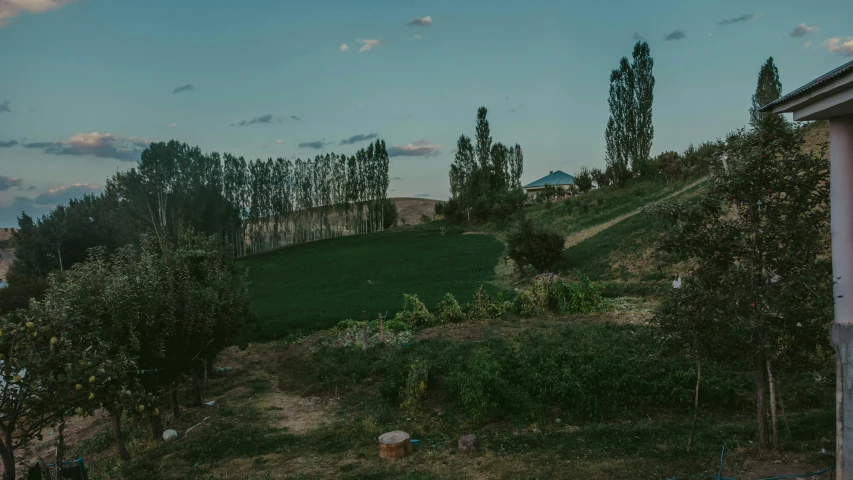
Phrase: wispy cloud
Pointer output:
(841, 46)
(417, 36)
(4, 105)
(368, 44)
(675, 35)
(294, 117)
(55, 196)
(10, 9)
(420, 21)
(8, 182)
(173, 124)
(358, 138)
(743, 18)
(316, 144)
(802, 29)
(807, 44)
(265, 119)
(102, 145)
(183, 88)
(280, 142)
(516, 108)
(418, 149)
(344, 47)
(8, 143)
(422, 195)
(396, 178)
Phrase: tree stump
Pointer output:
(467, 443)
(396, 444)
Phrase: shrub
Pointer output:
(389, 213)
(529, 246)
(581, 297)
(414, 313)
(475, 385)
(448, 310)
(483, 306)
(415, 388)
(533, 300)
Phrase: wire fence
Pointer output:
(719, 475)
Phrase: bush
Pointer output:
(414, 313)
(476, 384)
(448, 310)
(389, 212)
(529, 246)
(533, 300)
(415, 388)
(483, 306)
(582, 297)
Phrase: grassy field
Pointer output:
(316, 285)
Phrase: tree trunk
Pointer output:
(695, 404)
(197, 389)
(771, 381)
(176, 407)
(118, 437)
(761, 399)
(60, 442)
(381, 329)
(8, 456)
(396, 444)
(157, 427)
(364, 336)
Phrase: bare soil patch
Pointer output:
(411, 210)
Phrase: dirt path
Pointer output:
(578, 237)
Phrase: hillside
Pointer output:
(410, 211)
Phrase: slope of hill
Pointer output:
(410, 211)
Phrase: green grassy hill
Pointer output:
(316, 285)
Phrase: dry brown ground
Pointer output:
(410, 210)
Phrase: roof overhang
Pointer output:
(822, 99)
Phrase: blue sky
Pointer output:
(73, 68)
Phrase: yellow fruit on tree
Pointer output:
(53, 340)
(141, 408)
(67, 367)
(156, 412)
(91, 396)
(17, 378)
(78, 410)
(35, 334)
(92, 379)
(30, 324)
(78, 387)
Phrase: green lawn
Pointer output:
(316, 285)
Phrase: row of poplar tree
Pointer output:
(485, 179)
(252, 206)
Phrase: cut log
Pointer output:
(467, 443)
(396, 444)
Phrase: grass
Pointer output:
(242, 439)
(602, 205)
(316, 285)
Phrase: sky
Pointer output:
(85, 85)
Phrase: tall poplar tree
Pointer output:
(768, 89)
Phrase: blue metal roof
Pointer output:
(557, 178)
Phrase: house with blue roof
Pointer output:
(558, 179)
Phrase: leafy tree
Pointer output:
(484, 148)
(600, 177)
(583, 179)
(757, 249)
(528, 245)
(768, 89)
(629, 131)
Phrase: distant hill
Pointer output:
(410, 210)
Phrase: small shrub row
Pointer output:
(550, 293)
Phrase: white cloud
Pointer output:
(420, 21)
(103, 145)
(416, 37)
(808, 44)
(710, 34)
(421, 148)
(802, 29)
(840, 45)
(10, 9)
(173, 124)
(344, 47)
(368, 44)
(280, 142)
